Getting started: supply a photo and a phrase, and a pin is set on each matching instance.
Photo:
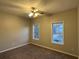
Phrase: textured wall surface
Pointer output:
(13, 31)
(70, 31)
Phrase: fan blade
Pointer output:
(45, 13)
(33, 8)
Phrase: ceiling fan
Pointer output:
(36, 12)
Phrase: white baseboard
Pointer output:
(13, 48)
(37, 45)
(55, 50)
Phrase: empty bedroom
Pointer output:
(39, 29)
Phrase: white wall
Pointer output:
(13, 31)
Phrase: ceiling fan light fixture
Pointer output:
(36, 10)
(30, 14)
(36, 14)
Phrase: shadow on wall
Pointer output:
(13, 31)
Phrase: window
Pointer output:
(58, 33)
(36, 31)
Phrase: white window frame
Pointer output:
(34, 33)
(52, 33)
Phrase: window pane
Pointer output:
(36, 31)
(57, 28)
(58, 38)
(57, 32)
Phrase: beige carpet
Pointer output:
(33, 52)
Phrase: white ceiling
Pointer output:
(24, 6)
